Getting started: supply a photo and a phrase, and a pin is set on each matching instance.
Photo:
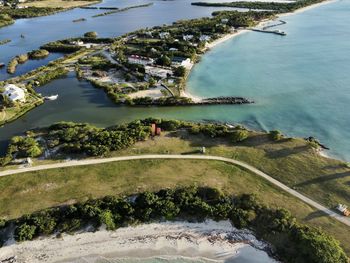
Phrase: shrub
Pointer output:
(90, 34)
(25, 232)
(239, 135)
(275, 135)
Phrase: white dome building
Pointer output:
(14, 93)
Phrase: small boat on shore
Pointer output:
(53, 97)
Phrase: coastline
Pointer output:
(301, 10)
(207, 241)
(230, 36)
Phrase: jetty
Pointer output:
(79, 20)
(280, 23)
(225, 100)
(266, 29)
(277, 32)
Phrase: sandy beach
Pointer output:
(306, 8)
(209, 240)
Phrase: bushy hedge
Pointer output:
(294, 242)
(77, 138)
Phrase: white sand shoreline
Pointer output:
(208, 241)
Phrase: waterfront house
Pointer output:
(14, 93)
(180, 61)
(135, 59)
(77, 43)
(204, 38)
(187, 37)
(158, 72)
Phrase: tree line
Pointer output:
(291, 241)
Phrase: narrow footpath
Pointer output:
(248, 167)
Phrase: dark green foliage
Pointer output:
(275, 135)
(38, 54)
(46, 77)
(24, 147)
(164, 61)
(294, 243)
(273, 6)
(163, 101)
(90, 34)
(29, 12)
(239, 135)
(83, 138)
(180, 71)
(25, 232)
(315, 246)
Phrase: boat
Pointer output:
(2, 65)
(53, 97)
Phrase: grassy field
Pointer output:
(25, 193)
(291, 161)
(59, 3)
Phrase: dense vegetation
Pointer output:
(273, 6)
(5, 20)
(47, 76)
(75, 138)
(293, 242)
(38, 54)
(121, 10)
(163, 101)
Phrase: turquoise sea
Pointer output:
(300, 82)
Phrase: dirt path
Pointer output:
(248, 167)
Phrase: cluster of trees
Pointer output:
(21, 147)
(87, 139)
(38, 54)
(162, 101)
(278, 7)
(113, 91)
(23, 58)
(294, 242)
(275, 135)
(5, 20)
(48, 76)
(16, 13)
(61, 46)
(91, 34)
(97, 62)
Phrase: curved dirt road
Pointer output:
(248, 167)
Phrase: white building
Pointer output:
(204, 38)
(164, 35)
(134, 59)
(185, 62)
(158, 72)
(187, 37)
(14, 93)
(78, 43)
(224, 20)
